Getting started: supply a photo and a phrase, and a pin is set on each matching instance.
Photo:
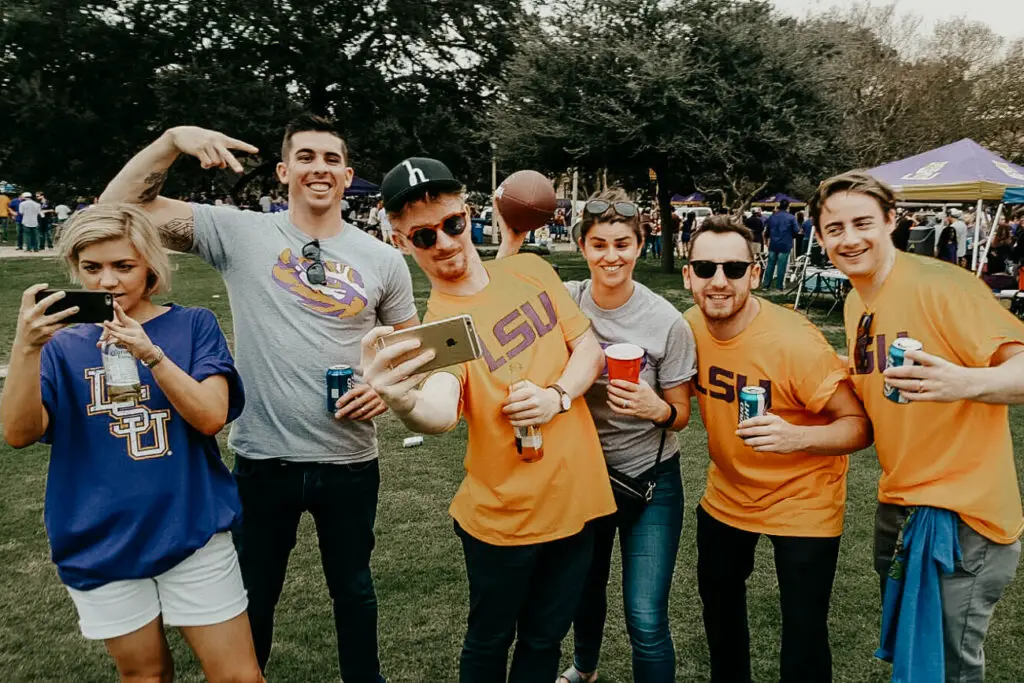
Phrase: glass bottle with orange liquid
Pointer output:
(529, 442)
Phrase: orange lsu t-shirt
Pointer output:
(523, 317)
(795, 494)
(956, 456)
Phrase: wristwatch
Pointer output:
(564, 400)
(156, 359)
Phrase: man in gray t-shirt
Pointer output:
(304, 287)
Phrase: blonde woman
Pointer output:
(138, 502)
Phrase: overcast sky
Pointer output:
(1006, 17)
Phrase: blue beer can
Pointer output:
(897, 359)
(339, 380)
(753, 402)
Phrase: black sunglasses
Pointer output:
(426, 238)
(316, 274)
(860, 356)
(598, 206)
(733, 270)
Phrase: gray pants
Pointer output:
(969, 594)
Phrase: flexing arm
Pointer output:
(142, 178)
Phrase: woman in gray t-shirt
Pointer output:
(631, 420)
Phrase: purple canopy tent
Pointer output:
(962, 171)
(777, 198)
(695, 199)
(361, 188)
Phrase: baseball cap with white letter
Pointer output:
(414, 177)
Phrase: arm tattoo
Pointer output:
(177, 234)
(154, 183)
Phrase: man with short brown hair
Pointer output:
(945, 446)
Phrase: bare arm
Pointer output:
(585, 365)
(21, 406)
(22, 412)
(142, 178)
(434, 408)
(204, 405)
(849, 429)
(935, 379)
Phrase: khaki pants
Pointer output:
(969, 594)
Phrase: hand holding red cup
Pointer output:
(624, 361)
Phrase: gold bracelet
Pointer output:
(159, 357)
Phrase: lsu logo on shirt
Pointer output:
(343, 296)
(725, 385)
(144, 430)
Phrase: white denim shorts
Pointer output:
(204, 589)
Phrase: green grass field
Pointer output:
(418, 565)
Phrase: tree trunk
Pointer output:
(668, 241)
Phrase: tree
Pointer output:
(87, 83)
(692, 89)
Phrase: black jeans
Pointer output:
(806, 568)
(343, 502)
(524, 593)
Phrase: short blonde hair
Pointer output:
(102, 222)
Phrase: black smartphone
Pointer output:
(93, 307)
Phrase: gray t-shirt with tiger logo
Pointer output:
(287, 331)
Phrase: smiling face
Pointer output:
(115, 266)
(718, 297)
(448, 258)
(611, 250)
(316, 171)
(857, 234)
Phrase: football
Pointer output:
(526, 201)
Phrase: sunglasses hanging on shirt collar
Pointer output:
(316, 273)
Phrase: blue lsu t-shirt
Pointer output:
(133, 489)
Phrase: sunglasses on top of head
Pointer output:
(734, 270)
(426, 238)
(596, 207)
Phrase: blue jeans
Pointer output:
(21, 234)
(656, 245)
(526, 594)
(343, 502)
(649, 544)
(5, 224)
(779, 259)
(31, 239)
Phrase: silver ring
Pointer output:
(625, 404)
(920, 386)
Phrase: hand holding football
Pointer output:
(526, 201)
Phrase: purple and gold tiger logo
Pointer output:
(343, 296)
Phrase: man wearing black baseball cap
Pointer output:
(523, 523)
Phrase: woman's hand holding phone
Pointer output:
(35, 327)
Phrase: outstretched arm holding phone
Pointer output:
(430, 409)
(21, 404)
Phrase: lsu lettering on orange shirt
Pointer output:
(524, 316)
(795, 494)
(956, 456)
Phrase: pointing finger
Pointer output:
(234, 143)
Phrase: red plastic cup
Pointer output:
(624, 362)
